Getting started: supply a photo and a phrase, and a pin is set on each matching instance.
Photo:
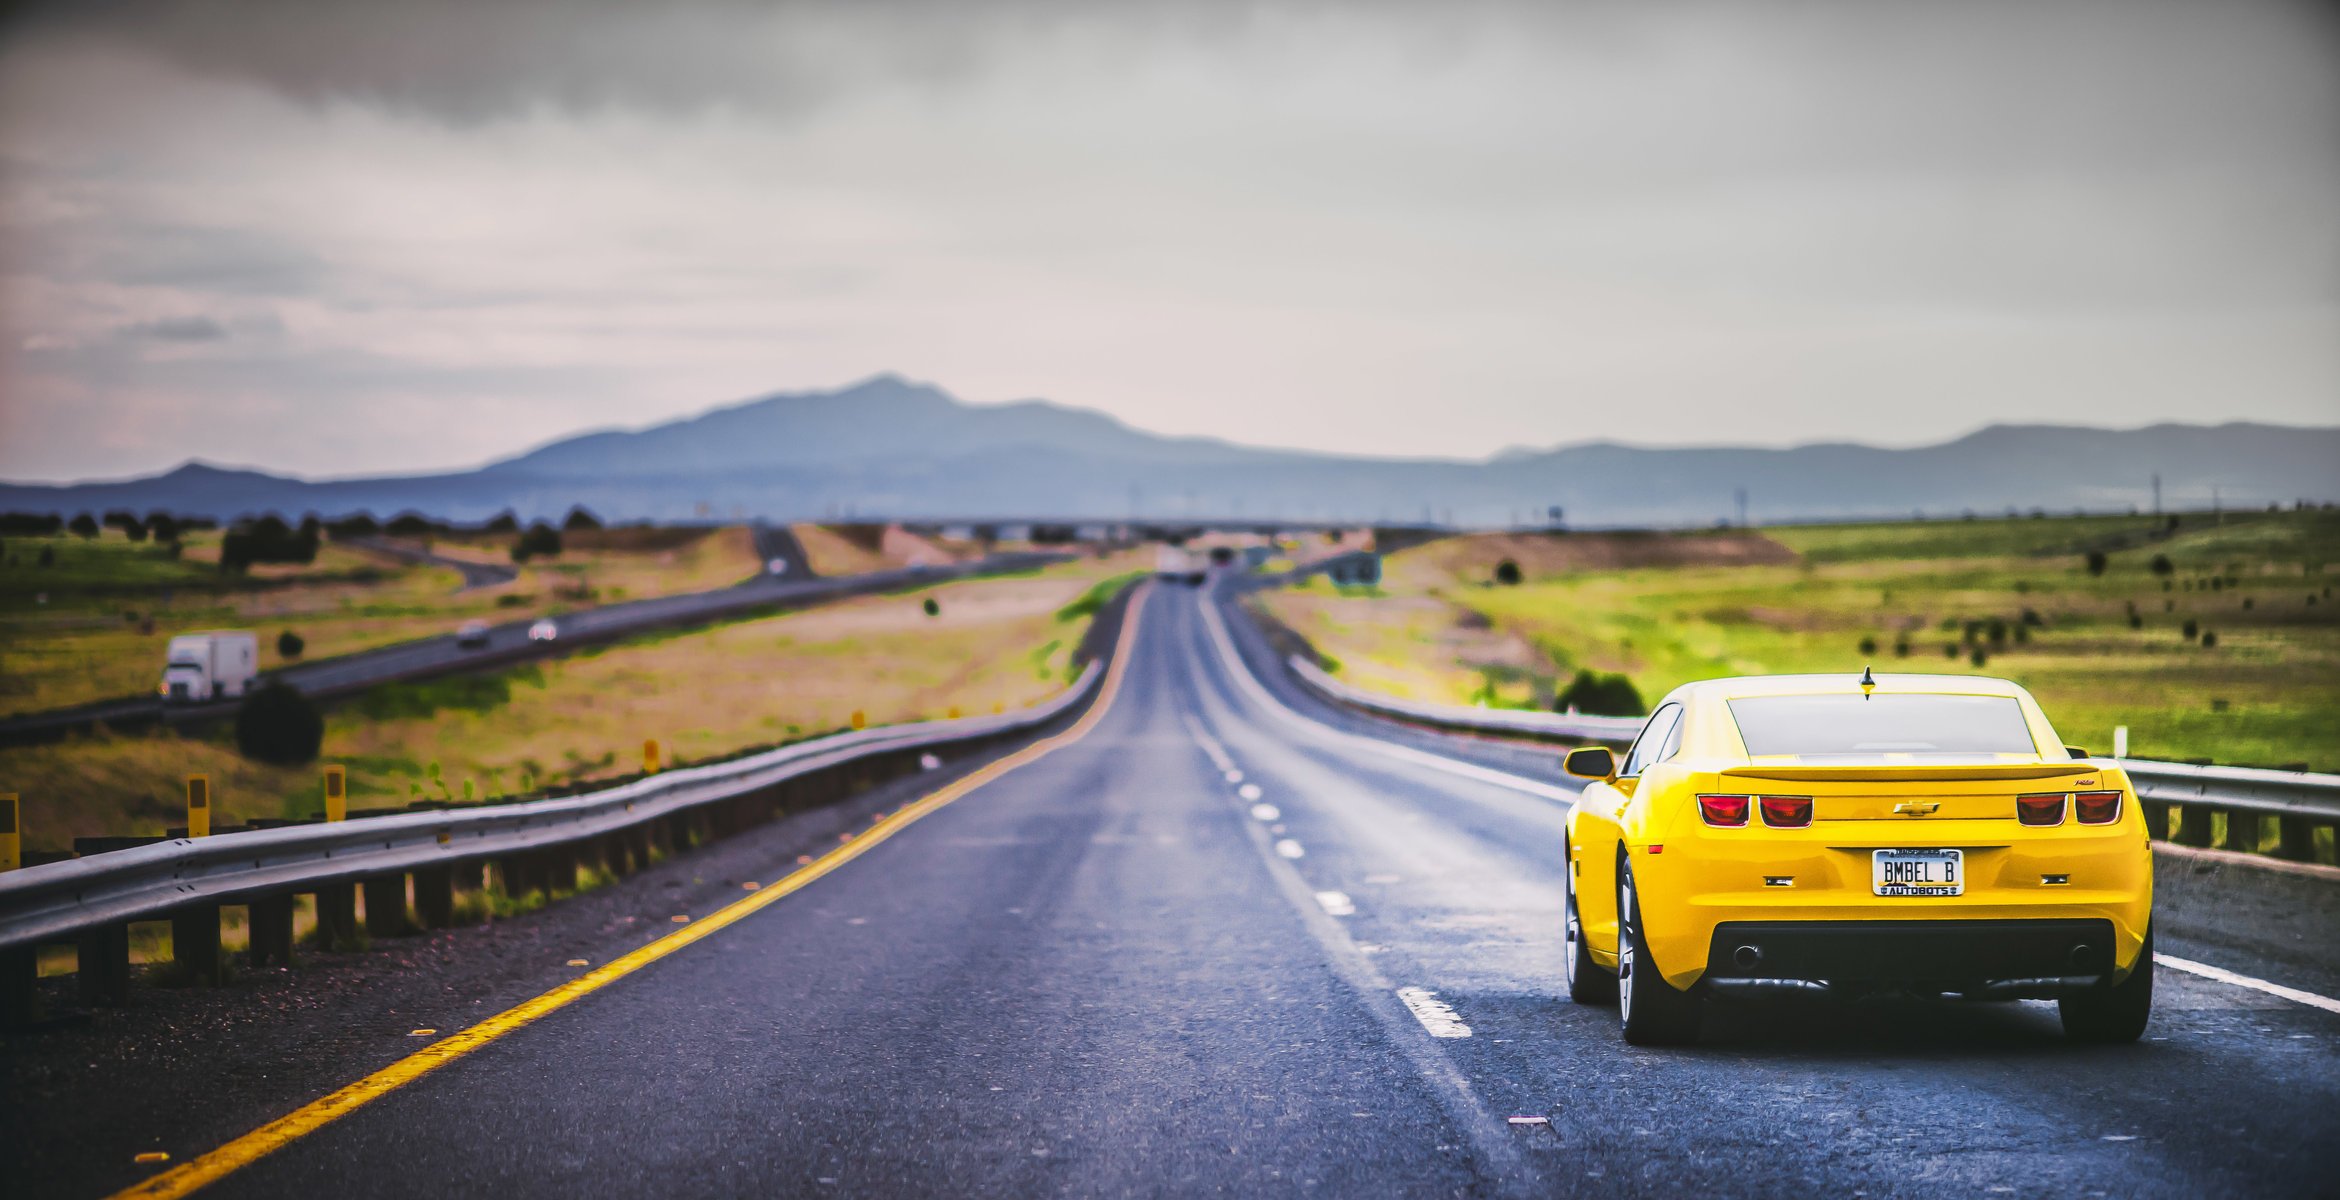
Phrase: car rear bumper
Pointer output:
(2013, 957)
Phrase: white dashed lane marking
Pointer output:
(1287, 848)
(1249, 791)
(1266, 812)
(2222, 975)
(1436, 1015)
(1337, 903)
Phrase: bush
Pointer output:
(2191, 629)
(1949, 650)
(279, 725)
(503, 522)
(1901, 648)
(1507, 573)
(1868, 646)
(932, 609)
(355, 525)
(541, 541)
(163, 526)
(1600, 695)
(1979, 657)
(48, 556)
(580, 518)
(84, 526)
(2161, 564)
(410, 524)
(2136, 622)
(2096, 562)
(2209, 639)
(290, 644)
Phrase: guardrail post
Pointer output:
(558, 867)
(2193, 826)
(195, 942)
(386, 906)
(271, 930)
(2297, 839)
(337, 924)
(2156, 821)
(102, 973)
(517, 873)
(434, 896)
(20, 992)
(2243, 831)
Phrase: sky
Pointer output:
(334, 238)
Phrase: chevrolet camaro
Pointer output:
(1924, 834)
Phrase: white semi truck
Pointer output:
(1178, 564)
(212, 665)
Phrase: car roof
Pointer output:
(1737, 687)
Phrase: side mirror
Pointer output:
(2077, 752)
(1590, 762)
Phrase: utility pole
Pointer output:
(1742, 508)
(2157, 493)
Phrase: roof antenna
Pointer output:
(1868, 682)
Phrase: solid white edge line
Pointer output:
(1260, 695)
(2222, 975)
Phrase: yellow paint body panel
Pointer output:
(1691, 877)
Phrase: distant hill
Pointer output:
(892, 448)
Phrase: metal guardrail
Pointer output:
(2300, 800)
(56, 901)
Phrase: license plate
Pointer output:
(1919, 872)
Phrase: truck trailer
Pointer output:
(215, 664)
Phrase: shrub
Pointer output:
(1979, 656)
(2096, 562)
(84, 526)
(541, 541)
(290, 644)
(2191, 629)
(503, 522)
(1507, 573)
(1600, 695)
(163, 526)
(2161, 564)
(2136, 622)
(1868, 646)
(268, 540)
(1998, 632)
(932, 609)
(355, 525)
(580, 518)
(411, 525)
(1949, 649)
(279, 725)
(2209, 639)
(48, 556)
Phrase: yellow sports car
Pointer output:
(1917, 833)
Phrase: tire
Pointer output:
(2113, 1014)
(1588, 981)
(1654, 1012)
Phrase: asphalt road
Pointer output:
(475, 574)
(1230, 943)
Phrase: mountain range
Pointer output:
(891, 448)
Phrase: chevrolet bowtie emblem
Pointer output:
(1917, 808)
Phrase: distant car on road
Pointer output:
(1910, 833)
(777, 566)
(544, 630)
(472, 635)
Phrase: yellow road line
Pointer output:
(307, 1119)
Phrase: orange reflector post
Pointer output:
(11, 842)
(336, 793)
(198, 806)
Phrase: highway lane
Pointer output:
(1215, 946)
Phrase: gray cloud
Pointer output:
(177, 329)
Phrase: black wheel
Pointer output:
(1655, 1013)
(2114, 1013)
(1588, 983)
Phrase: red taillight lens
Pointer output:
(1723, 810)
(2098, 808)
(2040, 810)
(1786, 812)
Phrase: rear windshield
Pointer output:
(1814, 725)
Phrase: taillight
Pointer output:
(2098, 808)
(1786, 812)
(1723, 810)
(2040, 810)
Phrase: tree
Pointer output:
(279, 725)
(1600, 695)
(2190, 629)
(932, 608)
(541, 541)
(580, 519)
(2161, 565)
(290, 644)
(84, 526)
(355, 525)
(409, 524)
(2096, 562)
(503, 522)
(48, 556)
(1507, 573)
(163, 525)
(2209, 639)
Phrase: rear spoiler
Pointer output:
(1909, 772)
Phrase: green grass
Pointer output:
(2268, 693)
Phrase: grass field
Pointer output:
(995, 642)
(94, 625)
(1922, 596)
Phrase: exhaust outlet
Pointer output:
(1746, 958)
(2083, 955)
